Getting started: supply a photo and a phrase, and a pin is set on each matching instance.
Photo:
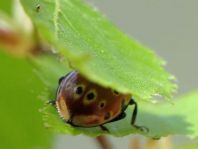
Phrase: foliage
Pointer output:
(21, 124)
(161, 119)
(96, 48)
(6, 7)
(86, 41)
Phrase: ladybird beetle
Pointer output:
(82, 103)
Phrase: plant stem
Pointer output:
(135, 144)
(104, 142)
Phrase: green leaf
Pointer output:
(21, 123)
(6, 6)
(161, 119)
(96, 48)
(171, 119)
(185, 146)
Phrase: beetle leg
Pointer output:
(104, 128)
(69, 122)
(119, 117)
(134, 115)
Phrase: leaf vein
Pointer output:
(55, 19)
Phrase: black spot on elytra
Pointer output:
(79, 90)
(102, 104)
(107, 115)
(90, 96)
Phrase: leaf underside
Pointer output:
(161, 119)
(96, 48)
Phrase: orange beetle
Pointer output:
(82, 103)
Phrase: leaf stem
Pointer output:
(104, 142)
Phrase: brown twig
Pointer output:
(104, 142)
(135, 144)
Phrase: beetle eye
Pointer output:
(90, 97)
(78, 91)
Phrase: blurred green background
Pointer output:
(18, 117)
